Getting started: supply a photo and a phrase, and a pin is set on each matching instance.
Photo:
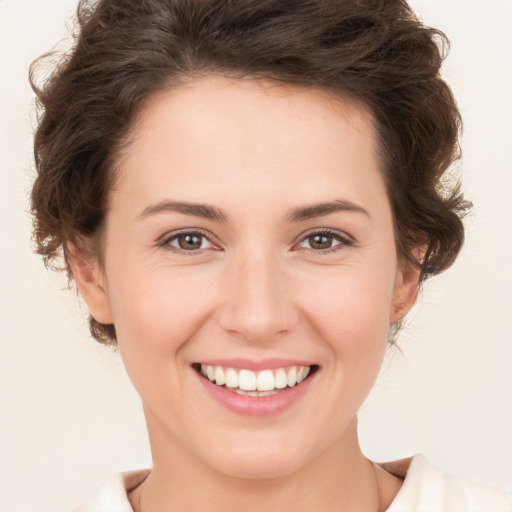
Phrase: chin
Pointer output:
(260, 460)
(261, 468)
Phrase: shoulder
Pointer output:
(113, 496)
(428, 489)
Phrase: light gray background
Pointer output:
(69, 418)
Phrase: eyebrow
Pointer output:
(195, 209)
(321, 209)
(212, 213)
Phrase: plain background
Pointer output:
(69, 417)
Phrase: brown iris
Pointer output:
(189, 241)
(320, 241)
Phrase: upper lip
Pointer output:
(255, 365)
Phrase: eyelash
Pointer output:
(343, 241)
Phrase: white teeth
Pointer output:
(280, 379)
(231, 378)
(265, 381)
(254, 393)
(219, 376)
(291, 378)
(302, 373)
(247, 382)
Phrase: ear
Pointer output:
(90, 280)
(406, 287)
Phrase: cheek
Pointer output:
(350, 304)
(156, 312)
(349, 314)
(157, 308)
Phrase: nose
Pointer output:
(258, 305)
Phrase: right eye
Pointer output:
(187, 241)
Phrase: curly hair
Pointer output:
(374, 51)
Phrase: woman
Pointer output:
(248, 195)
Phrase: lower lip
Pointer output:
(259, 406)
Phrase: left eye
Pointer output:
(323, 241)
(189, 241)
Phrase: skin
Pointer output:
(257, 288)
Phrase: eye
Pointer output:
(187, 241)
(325, 241)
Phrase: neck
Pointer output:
(340, 479)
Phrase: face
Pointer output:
(249, 241)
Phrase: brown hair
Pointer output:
(374, 51)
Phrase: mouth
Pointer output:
(266, 382)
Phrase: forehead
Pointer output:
(246, 136)
(251, 103)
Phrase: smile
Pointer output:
(257, 384)
(256, 388)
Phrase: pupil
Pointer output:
(321, 242)
(189, 242)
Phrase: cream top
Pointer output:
(425, 489)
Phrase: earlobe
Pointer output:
(406, 288)
(406, 292)
(90, 282)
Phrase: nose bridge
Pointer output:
(257, 303)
